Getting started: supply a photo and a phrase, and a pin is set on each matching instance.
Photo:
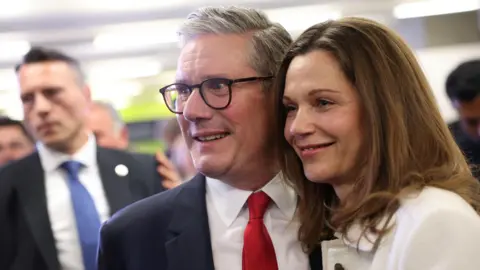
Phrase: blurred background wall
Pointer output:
(128, 47)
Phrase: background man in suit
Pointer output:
(239, 215)
(15, 141)
(110, 131)
(177, 150)
(108, 127)
(53, 202)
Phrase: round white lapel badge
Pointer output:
(121, 170)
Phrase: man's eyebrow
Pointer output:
(180, 80)
(203, 78)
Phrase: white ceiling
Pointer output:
(72, 25)
(100, 32)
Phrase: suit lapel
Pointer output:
(188, 244)
(31, 192)
(115, 184)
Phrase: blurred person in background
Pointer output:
(375, 165)
(15, 141)
(108, 127)
(177, 150)
(237, 213)
(463, 89)
(181, 158)
(53, 201)
(171, 131)
(111, 132)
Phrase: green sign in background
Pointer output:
(147, 106)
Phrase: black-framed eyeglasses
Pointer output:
(215, 92)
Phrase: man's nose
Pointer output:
(42, 105)
(195, 108)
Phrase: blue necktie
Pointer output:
(86, 215)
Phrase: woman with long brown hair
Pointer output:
(382, 184)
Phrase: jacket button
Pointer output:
(338, 266)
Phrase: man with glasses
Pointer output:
(236, 214)
(215, 92)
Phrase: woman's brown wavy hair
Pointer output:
(408, 145)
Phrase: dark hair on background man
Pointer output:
(463, 83)
(42, 55)
(6, 121)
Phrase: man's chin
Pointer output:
(211, 168)
(53, 142)
(49, 139)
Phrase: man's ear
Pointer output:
(88, 93)
(88, 98)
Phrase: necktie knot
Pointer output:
(257, 204)
(71, 167)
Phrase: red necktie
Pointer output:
(258, 251)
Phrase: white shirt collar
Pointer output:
(229, 201)
(51, 159)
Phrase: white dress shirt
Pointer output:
(59, 204)
(228, 216)
(432, 230)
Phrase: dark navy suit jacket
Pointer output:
(168, 231)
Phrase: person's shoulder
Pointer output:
(437, 223)
(123, 153)
(158, 207)
(432, 204)
(19, 165)
(142, 156)
(435, 199)
(134, 159)
(11, 173)
(145, 160)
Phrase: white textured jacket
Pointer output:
(434, 229)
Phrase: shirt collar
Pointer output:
(229, 201)
(51, 159)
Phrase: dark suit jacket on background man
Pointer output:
(26, 238)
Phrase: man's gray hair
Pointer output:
(270, 41)
(117, 120)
